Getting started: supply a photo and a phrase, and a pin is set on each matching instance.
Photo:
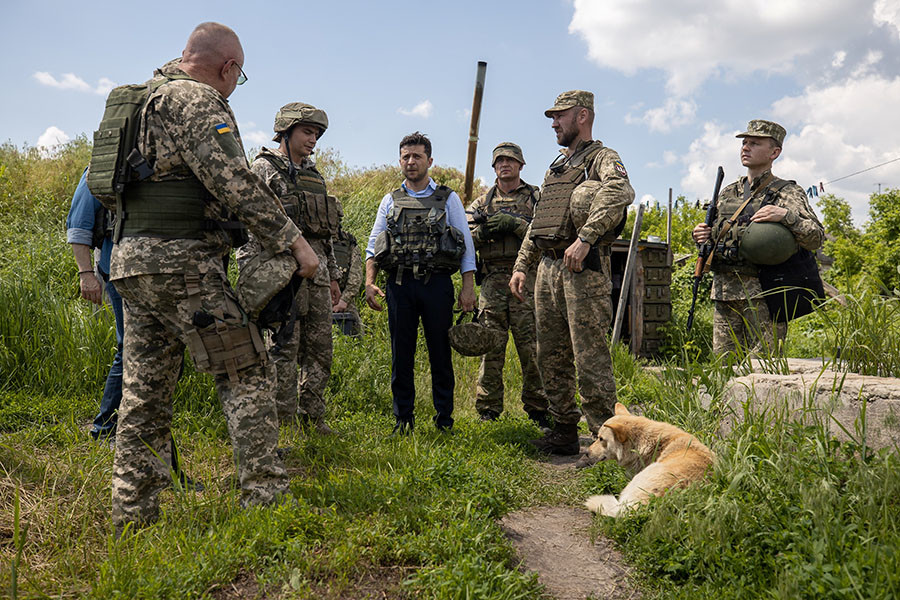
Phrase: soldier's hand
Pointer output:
(575, 254)
(517, 285)
(466, 301)
(769, 213)
(339, 307)
(91, 290)
(701, 233)
(306, 258)
(335, 292)
(373, 292)
(501, 223)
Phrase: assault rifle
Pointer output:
(704, 250)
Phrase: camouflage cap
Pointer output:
(569, 99)
(293, 113)
(761, 128)
(509, 149)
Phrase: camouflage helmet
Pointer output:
(294, 113)
(475, 339)
(262, 280)
(767, 243)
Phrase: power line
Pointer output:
(863, 171)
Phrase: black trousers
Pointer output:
(432, 302)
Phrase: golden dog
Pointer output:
(662, 455)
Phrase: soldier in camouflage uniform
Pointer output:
(302, 191)
(500, 220)
(583, 200)
(741, 313)
(171, 275)
(349, 262)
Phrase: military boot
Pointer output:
(562, 440)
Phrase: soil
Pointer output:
(555, 542)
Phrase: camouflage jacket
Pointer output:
(188, 128)
(592, 214)
(328, 270)
(800, 219)
(519, 203)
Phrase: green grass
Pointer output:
(786, 513)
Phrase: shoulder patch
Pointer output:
(620, 168)
(222, 128)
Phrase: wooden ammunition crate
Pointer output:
(649, 305)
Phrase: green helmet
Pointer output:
(475, 339)
(294, 113)
(262, 281)
(767, 243)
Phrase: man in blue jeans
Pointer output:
(88, 227)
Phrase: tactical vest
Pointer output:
(726, 257)
(418, 236)
(505, 249)
(174, 209)
(307, 202)
(103, 227)
(343, 244)
(552, 226)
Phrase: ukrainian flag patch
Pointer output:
(222, 128)
(620, 168)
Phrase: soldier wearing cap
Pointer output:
(741, 315)
(292, 175)
(501, 219)
(583, 204)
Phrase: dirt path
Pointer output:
(555, 542)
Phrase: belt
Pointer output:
(553, 253)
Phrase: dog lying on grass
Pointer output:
(662, 456)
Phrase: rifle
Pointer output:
(704, 251)
(473, 131)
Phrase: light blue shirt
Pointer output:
(85, 210)
(456, 216)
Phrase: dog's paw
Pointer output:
(603, 505)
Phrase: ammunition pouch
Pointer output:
(223, 341)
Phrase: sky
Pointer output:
(673, 81)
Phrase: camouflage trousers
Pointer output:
(501, 310)
(746, 323)
(160, 320)
(573, 317)
(310, 347)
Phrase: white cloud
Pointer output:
(51, 139)
(887, 12)
(692, 41)
(839, 57)
(70, 81)
(669, 158)
(673, 114)
(423, 109)
(833, 131)
(255, 137)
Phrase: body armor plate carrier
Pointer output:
(307, 202)
(418, 237)
(552, 227)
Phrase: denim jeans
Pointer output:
(105, 421)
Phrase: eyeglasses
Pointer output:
(242, 78)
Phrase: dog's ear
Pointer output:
(621, 409)
(618, 430)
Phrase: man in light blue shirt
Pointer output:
(86, 229)
(434, 243)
